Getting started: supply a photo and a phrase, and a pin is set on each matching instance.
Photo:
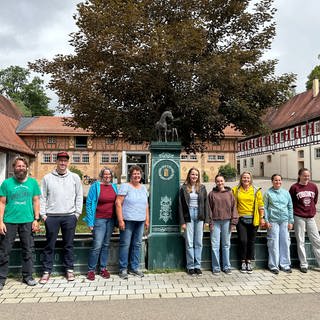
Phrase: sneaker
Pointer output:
(1, 286)
(191, 272)
(304, 269)
(216, 272)
(249, 268)
(45, 278)
(287, 270)
(198, 272)
(104, 273)
(243, 268)
(227, 271)
(91, 275)
(70, 275)
(123, 274)
(137, 273)
(274, 271)
(30, 282)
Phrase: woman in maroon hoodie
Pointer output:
(223, 218)
(304, 196)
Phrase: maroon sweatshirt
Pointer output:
(304, 199)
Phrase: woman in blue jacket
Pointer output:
(100, 209)
(279, 220)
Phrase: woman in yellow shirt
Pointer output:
(251, 215)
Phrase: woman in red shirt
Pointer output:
(100, 209)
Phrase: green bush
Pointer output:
(77, 171)
(228, 172)
(205, 177)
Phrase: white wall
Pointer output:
(2, 166)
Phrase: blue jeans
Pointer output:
(101, 233)
(130, 240)
(193, 237)
(279, 246)
(220, 231)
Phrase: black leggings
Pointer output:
(247, 237)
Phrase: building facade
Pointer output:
(45, 136)
(293, 143)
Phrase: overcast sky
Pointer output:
(33, 29)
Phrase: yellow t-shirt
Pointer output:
(245, 200)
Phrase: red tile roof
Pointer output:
(300, 108)
(9, 109)
(46, 125)
(8, 137)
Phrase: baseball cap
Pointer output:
(62, 154)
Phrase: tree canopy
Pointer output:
(314, 74)
(201, 59)
(28, 95)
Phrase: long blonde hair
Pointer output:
(188, 181)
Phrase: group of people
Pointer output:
(245, 209)
(59, 204)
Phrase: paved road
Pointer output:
(285, 307)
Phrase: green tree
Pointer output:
(201, 59)
(314, 74)
(29, 96)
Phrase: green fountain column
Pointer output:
(165, 242)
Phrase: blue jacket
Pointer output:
(278, 206)
(92, 202)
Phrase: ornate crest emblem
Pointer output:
(165, 209)
(166, 172)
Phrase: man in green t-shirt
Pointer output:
(19, 213)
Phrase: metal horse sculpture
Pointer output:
(162, 126)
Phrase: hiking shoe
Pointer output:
(137, 273)
(249, 268)
(216, 272)
(191, 272)
(30, 282)
(45, 278)
(304, 269)
(123, 274)
(104, 273)
(198, 272)
(243, 268)
(274, 271)
(91, 275)
(70, 275)
(227, 271)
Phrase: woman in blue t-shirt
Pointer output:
(133, 217)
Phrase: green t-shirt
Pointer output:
(19, 199)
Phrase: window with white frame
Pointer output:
(46, 158)
(282, 136)
(303, 131)
(49, 157)
(51, 140)
(114, 158)
(251, 162)
(317, 127)
(269, 158)
(76, 158)
(105, 157)
(188, 157)
(85, 158)
(301, 153)
(317, 153)
(291, 133)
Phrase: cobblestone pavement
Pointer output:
(162, 286)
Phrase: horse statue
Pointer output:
(162, 126)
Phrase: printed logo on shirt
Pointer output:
(306, 197)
